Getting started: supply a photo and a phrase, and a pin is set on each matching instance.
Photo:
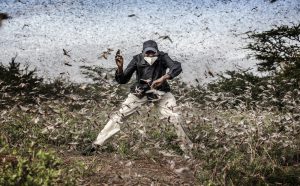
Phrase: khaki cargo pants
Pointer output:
(167, 107)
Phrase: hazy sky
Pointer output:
(204, 34)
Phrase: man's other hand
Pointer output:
(159, 81)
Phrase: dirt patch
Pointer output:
(109, 168)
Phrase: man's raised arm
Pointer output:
(122, 77)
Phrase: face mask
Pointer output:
(150, 60)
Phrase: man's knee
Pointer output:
(116, 117)
(130, 105)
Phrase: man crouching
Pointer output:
(151, 84)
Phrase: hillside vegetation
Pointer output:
(245, 128)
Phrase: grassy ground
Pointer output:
(42, 140)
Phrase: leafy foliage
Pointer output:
(17, 84)
(277, 48)
(242, 89)
(20, 85)
(30, 166)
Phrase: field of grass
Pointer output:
(45, 127)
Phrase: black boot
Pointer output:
(89, 150)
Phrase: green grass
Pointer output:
(233, 145)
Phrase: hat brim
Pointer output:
(149, 49)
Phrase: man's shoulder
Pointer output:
(161, 53)
(137, 57)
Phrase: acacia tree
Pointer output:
(278, 49)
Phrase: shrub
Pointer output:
(30, 166)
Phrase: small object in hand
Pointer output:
(142, 87)
(119, 58)
(118, 52)
(2, 17)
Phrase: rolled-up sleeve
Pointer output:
(174, 66)
(124, 77)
